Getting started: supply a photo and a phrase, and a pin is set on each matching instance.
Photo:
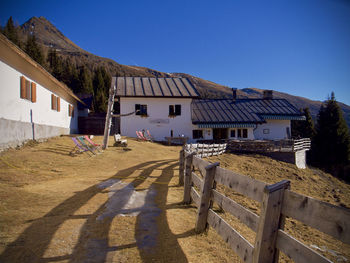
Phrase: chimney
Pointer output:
(268, 95)
(234, 94)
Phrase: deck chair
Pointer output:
(149, 136)
(139, 136)
(83, 143)
(78, 148)
(118, 141)
(143, 136)
(93, 144)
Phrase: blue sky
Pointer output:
(301, 47)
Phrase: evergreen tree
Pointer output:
(34, 51)
(56, 66)
(331, 144)
(101, 82)
(85, 81)
(10, 31)
(303, 129)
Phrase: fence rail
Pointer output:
(206, 150)
(269, 145)
(277, 202)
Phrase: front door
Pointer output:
(220, 134)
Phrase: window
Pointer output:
(28, 89)
(141, 109)
(55, 103)
(175, 110)
(197, 134)
(233, 133)
(70, 110)
(242, 133)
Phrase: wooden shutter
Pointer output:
(23, 87)
(171, 110)
(72, 111)
(58, 108)
(33, 92)
(53, 102)
(177, 109)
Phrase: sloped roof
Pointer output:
(154, 87)
(242, 110)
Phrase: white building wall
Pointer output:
(37, 119)
(272, 130)
(17, 109)
(157, 122)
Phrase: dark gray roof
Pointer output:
(242, 110)
(154, 87)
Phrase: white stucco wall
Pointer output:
(157, 122)
(13, 108)
(277, 129)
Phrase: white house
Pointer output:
(172, 107)
(33, 104)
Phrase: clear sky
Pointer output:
(301, 47)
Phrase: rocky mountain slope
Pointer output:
(49, 36)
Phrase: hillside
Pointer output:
(49, 36)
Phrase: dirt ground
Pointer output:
(124, 205)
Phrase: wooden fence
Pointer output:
(205, 150)
(269, 145)
(277, 202)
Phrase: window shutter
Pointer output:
(69, 110)
(171, 110)
(28, 90)
(33, 92)
(72, 110)
(58, 108)
(177, 109)
(23, 87)
(53, 102)
(137, 109)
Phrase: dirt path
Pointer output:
(120, 206)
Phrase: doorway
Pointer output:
(220, 134)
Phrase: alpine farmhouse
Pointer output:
(33, 104)
(172, 107)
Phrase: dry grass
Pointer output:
(54, 209)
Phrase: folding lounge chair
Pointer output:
(118, 141)
(78, 148)
(93, 144)
(82, 141)
(139, 135)
(149, 136)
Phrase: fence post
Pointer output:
(187, 178)
(181, 167)
(269, 223)
(202, 213)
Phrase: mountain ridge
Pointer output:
(48, 36)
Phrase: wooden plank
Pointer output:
(147, 87)
(181, 167)
(298, 251)
(330, 219)
(195, 197)
(240, 183)
(155, 87)
(187, 178)
(243, 214)
(202, 213)
(197, 181)
(235, 240)
(129, 84)
(200, 164)
(108, 122)
(269, 223)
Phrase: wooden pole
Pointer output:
(269, 223)
(181, 166)
(202, 214)
(187, 179)
(109, 114)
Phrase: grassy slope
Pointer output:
(50, 202)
